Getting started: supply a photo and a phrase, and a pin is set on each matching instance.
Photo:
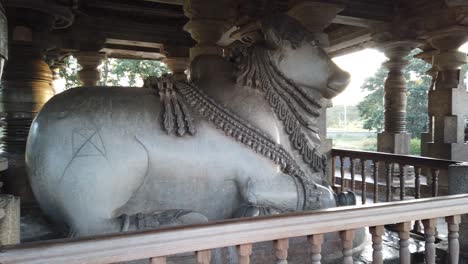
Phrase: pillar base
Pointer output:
(450, 151)
(396, 143)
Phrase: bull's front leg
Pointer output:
(283, 193)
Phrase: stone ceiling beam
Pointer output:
(346, 39)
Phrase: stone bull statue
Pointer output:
(240, 139)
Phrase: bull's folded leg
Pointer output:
(159, 219)
(283, 194)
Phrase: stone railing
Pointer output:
(386, 166)
(156, 245)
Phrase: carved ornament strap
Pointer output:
(232, 125)
(245, 133)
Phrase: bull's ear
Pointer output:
(272, 39)
(249, 33)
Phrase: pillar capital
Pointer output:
(315, 16)
(89, 61)
(209, 19)
(398, 49)
(447, 41)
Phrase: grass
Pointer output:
(355, 141)
(358, 141)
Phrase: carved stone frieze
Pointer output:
(176, 117)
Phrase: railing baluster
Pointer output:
(404, 233)
(417, 194)
(281, 250)
(375, 175)
(402, 181)
(158, 260)
(347, 238)
(353, 174)
(453, 223)
(244, 252)
(388, 179)
(377, 233)
(342, 171)
(363, 181)
(435, 182)
(430, 232)
(204, 257)
(333, 179)
(316, 242)
(417, 182)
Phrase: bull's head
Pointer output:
(297, 54)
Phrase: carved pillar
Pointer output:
(89, 61)
(447, 100)
(3, 39)
(427, 57)
(177, 65)
(27, 82)
(209, 19)
(26, 87)
(395, 138)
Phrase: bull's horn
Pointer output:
(249, 33)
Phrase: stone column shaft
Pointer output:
(89, 61)
(394, 138)
(395, 96)
(26, 88)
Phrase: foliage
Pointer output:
(371, 108)
(354, 140)
(336, 119)
(415, 146)
(115, 72)
(70, 72)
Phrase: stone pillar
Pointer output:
(209, 19)
(427, 57)
(26, 88)
(447, 100)
(178, 65)
(395, 138)
(3, 39)
(89, 61)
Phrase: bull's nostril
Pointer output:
(339, 80)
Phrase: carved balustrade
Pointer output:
(380, 176)
(156, 245)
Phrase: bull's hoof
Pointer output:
(161, 219)
(249, 210)
(346, 199)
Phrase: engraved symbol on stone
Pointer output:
(87, 142)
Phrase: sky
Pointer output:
(361, 65)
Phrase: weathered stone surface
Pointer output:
(99, 158)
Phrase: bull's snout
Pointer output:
(337, 82)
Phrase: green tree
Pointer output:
(114, 72)
(371, 109)
(70, 72)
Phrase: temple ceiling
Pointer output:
(99, 22)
